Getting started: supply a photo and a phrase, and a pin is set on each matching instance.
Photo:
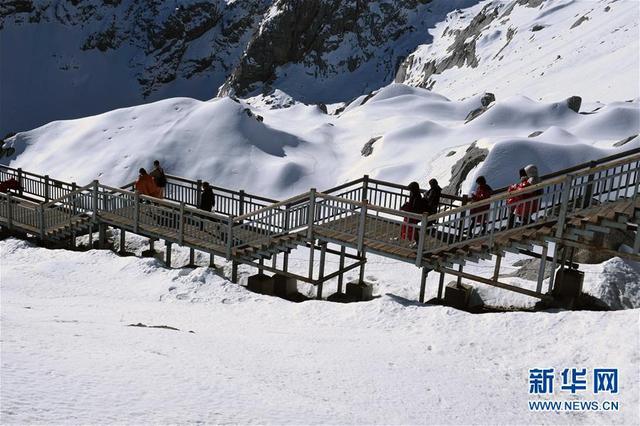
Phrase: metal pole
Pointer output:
(212, 263)
(241, 207)
(323, 252)
(192, 257)
(365, 188)
(260, 264)
(285, 262)
(459, 281)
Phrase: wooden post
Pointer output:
(463, 214)
(363, 256)
(588, 190)
(311, 253)
(198, 192)
(229, 237)
(440, 285)
(361, 226)
(9, 211)
(234, 271)
(42, 223)
(564, 205)
(260, 264)
(341, 267)
(192, 257)
(459, 281)
(102, 235)
(20, 190)
(241, 206)
(365, 188)
(496, 269)
(94, 201)
(122, 240)
(181, 225)
(136, 212)
(421, 237)
(46, 188)
(543, 263)
(311, 214)
(168, 253)
(212, 263)
(323, 253)
(423, 283)
(74, 187)
(285, 262)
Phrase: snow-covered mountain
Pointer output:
(66, 59)
(545, 49)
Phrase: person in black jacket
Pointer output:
(415, 204)
(432, 197)
(207, 200)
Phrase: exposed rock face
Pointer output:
(162, 33)
(612, 241)
(367, 149)
(529, 268)
(574, 103)
(306, 33)
(461, 52)
(472, 157)
(485, 103)
(625, 141)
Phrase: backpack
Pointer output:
(161, 180)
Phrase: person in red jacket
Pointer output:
(482, 192)
(146, 185)
(524, 205)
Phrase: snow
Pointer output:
(69, 356)
(298, 147)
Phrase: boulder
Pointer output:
(574, 103)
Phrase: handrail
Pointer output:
(166, 203)
(286, 202)
(76, 192)
(588, 165)
(536, 187)
(398, 186)
(371, 206)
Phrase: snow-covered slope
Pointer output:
(544, 49)
(299, 147)
(70, 356)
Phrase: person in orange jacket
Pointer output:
(146, 185)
